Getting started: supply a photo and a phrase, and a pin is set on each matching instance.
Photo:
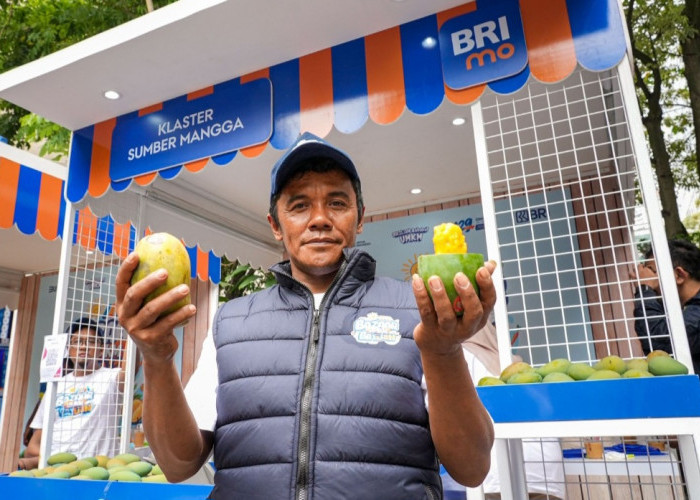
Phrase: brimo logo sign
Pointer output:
(467, 40)
(483, 46)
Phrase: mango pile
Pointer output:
(123, 467)
(656, 363)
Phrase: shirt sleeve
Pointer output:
(201, 389)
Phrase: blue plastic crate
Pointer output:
(674, 396)
(51, 489)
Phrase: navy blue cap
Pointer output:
(306, 147)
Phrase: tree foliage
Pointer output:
(658, 30)
(239, 279)
(30, 29)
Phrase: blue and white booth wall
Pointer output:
(397, 243)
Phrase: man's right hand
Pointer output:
(28, 463)
(152, 335)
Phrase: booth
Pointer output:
(517, 120)
(31, 220)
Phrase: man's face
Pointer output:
(650, 264)
(84, 346)
(318, 218)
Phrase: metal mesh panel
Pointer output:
(564, 181)
(90, 399)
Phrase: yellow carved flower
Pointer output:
(448, 238)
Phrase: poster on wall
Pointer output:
(51, 366)
(397, 243)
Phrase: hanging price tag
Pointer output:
(51, 367)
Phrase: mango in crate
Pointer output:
(666, 365)
(580, 371)
(450, 257)
(612, 362)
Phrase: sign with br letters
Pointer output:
(482, 46)
(232, 117)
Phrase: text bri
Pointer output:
(467, 40)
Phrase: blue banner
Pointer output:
(482, 46)
(232, 117)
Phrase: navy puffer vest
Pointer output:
(326, 406)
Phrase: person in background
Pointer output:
(650, 319)
(88, 401)
(544, 466)
(316, 389)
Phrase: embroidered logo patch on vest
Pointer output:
(373, 328)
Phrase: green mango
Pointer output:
(71, 469)
(487, 381)
(556, 365)
(22, 473)
(657, 352)
(557, 377)
(614, 363)
(516, 367)
(636, 373)
(59, 474)
(580, 371)
(96, 473)
(156, 470)
(92, 460)
(446, 265)
(125, 475)
(127, 458)
(604, 375)
(525, 378)
(637, 364)
(664, 365)
(157, 478)
(82, 464)
(141, 468)
(61, 458)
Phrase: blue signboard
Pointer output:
(232, 117)
(482, 46)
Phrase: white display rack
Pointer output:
(576, 154)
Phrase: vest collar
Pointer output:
(360, 268)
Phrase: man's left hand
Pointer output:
(441, 331)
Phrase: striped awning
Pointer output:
(33, 202)
(378, 77)
(113, 238)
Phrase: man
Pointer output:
(319, 377)
(88, 401)
(650, 323)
